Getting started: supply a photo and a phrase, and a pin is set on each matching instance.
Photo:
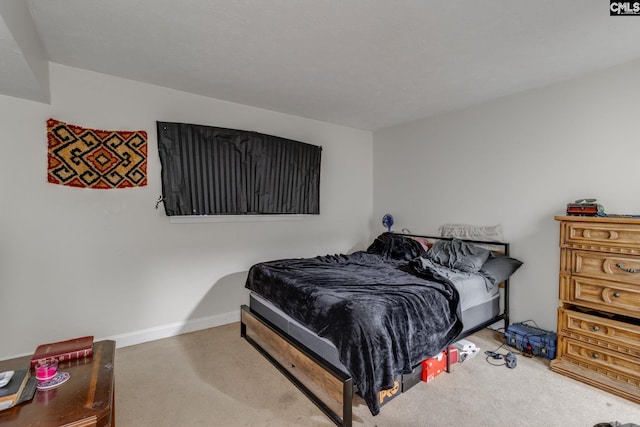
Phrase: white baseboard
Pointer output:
(173, 329)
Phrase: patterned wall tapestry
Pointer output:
(91, 158)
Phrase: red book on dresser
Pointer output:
(64, 350)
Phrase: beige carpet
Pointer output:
(215, 378)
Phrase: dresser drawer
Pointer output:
(614, 365)
(613, 297)
(606, 266)
(616, 237)
(601, 331)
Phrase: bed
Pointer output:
(346, 323)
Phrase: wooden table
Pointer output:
(86, 399)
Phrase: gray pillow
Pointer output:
(499, 268)
(458, 255)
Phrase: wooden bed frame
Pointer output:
(328, 387)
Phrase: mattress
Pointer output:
(479, 306)
(296, 330)
(472, 288)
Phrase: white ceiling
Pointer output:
(367, 64)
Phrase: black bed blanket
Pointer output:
(382, 317)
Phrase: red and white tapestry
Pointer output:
(92, 158)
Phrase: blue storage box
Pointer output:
(531, 340)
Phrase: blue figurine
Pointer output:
(387, 221)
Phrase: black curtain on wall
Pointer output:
(216, 171)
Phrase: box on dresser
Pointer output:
(599, 313)
(589, 209)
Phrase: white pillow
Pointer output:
(472, 232)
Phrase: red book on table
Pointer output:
(75, 348)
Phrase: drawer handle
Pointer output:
(595, 355)
(628, 270)
(596, 328)
(616, 294)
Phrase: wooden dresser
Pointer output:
(599, 313)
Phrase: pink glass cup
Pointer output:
(46, 369)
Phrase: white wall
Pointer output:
(105, 262)
(517, 161)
